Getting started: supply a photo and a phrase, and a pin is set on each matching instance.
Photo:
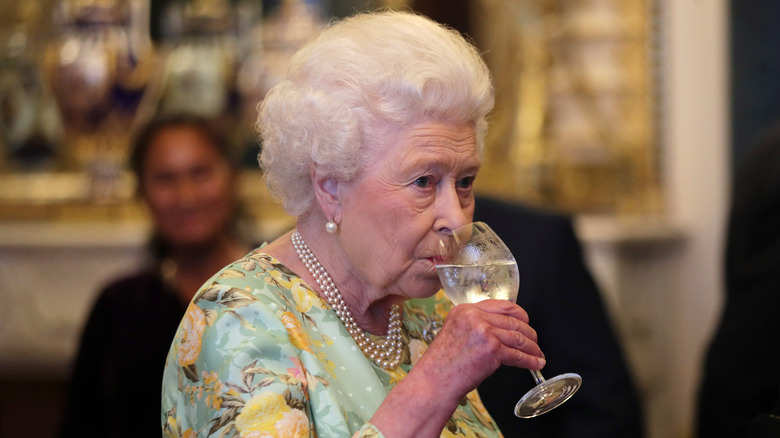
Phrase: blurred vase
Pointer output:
(201, 53)
(100, 70)
(30, 127)
(284, 31)
(268, 47)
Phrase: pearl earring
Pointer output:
(331, 227)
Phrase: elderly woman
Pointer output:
(373, 142)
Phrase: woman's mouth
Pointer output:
(437, 260)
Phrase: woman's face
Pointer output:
(188, 186)
(414, 190)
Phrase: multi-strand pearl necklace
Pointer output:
(386, 353)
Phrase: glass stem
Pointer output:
(537, 377)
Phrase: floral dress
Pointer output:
(259, 354)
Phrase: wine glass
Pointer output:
(475, 265)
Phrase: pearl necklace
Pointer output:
(386, 353)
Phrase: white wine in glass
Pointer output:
(476, 265)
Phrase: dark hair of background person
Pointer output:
(149, 132)
(239, 225)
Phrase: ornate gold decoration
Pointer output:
(574, 126)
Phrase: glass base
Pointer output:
(548, 395)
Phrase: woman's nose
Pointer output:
(450, 213)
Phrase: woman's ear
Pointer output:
(327, 194)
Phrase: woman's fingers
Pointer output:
(503, 307)
(475, 340)
(512, 324)
(498, 313)
(522, 352)
(499, 328)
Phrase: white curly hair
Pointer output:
(354, 84)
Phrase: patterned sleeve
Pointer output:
(234, 367)
(236, 370)
(368, 431)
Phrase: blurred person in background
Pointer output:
(575, 332)
(740, 392)
(187, 178)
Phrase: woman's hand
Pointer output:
(473, 342)
(476, 339)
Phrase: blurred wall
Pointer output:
(696, 131)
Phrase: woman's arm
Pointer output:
(474, 341)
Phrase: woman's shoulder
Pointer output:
(257, 275)
(258, 279)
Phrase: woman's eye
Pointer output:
(465, 183)
(423, 181)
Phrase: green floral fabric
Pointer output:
(259, 354)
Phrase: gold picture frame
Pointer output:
(574, 127)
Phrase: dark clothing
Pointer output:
(742, 367)
(575, 334)
(116, 382)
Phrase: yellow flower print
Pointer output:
(189, 433)
(371, 432)
(416, 350)
(458, 427)
(214, 387)
(304, 298)
(214, 401)
(442, 304)
(466, 430)
(301, 296)
(280, 278)
(479, 408)
(261, 413)
(396, 375)
(171, 428)
(294, 424)
(191, 332)
(446, 433)
(294, 330)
